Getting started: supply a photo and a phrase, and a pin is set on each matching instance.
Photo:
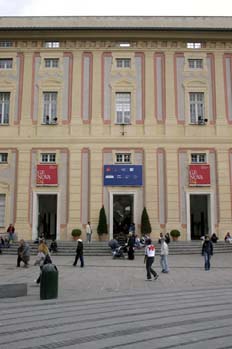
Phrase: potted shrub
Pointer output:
(102, 228)
(76, 233)
(175, 234)
(145, 223)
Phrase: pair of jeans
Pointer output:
(164, 263)
(88, 236)
(207, 257)
(81, 260)
(149, 262)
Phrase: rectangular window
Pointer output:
(123, 108)
(123, 158)
(123, 62)
(196, 107)
(3, 158)
(52, 44)
(4, 108)
(194, 45)
(2, 209)
(6, 63)
(51, 62)
(4, 43)
(48, 158)
(198, 158)
(195, 63)
(50, 108)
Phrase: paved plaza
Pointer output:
(109, 304)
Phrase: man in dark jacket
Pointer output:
(23, 253)
(79, 253)
(207, 251)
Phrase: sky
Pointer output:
(115, 8)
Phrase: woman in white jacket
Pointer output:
(164, 256)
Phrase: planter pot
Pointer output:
(175, 238)
(75, 238)
(103, 237)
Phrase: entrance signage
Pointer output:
(46, 175)
(199, 175)
(123, 175)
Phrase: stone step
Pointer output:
(66, 248)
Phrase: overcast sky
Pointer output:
(115, 8)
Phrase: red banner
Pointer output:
(199, 175)
(47, 175)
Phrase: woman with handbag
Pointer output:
(43, 258)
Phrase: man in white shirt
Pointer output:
(149, 259)
(88, 231)
(164, 256)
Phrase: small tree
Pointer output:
(76, 233)
(102, 223)
(145, 223)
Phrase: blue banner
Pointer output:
(123, 175)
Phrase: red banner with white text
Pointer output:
(199, 175)
(47, 175)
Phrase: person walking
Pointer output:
(79, 253)
(43, 258)
(88, 231)
(207, 251)
(23, 253)
(164, 255)
(149, 259)
(130, 246)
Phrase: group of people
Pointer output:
(8, 237)
(214, 238)
(129, 245)
(43, 256)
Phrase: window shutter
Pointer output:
(2, 209)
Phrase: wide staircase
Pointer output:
(101, 248)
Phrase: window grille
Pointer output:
(123, 108)
(50, 108)
(123, 158)
(5, 43)
(123, 62)
(3, 158)
(6, 63)
(198, 158)
(48, 158)
(4, 107)
(52, 44)
(196, 107)
(51, 62)
(194, 45)
(195, 63)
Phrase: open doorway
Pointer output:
(199, 215)
(47, 215)
(123, 213)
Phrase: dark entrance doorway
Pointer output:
(199, 208)
(47, 216)
(123, 210)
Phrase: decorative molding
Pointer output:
(110, 44)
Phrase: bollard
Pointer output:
(49, 282)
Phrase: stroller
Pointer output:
(118, 252)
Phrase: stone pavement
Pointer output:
(109, 304)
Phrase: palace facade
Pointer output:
(120, 112)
